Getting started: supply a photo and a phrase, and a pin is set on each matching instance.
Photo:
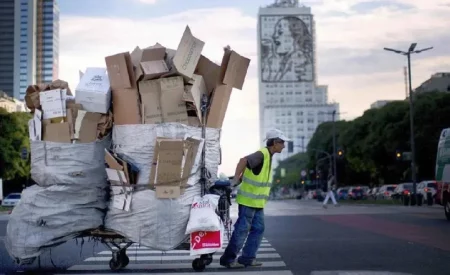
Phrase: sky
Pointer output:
(350, 36)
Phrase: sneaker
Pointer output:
(255, 263)
(233, 265)
(324, 206)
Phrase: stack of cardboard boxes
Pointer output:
(153, 85)
(157, 85)
(59, 117)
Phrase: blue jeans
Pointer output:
(249, 226)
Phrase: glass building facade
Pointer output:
(29, 44)
(7, 46)
(47, 38)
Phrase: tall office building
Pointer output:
(289, 97)
(29, 44)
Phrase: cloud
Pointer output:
(148, 1)
(350, 56)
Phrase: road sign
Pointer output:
(303, 173)
(24, 153)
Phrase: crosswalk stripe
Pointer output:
(175, 266)
(172, 258)
(133, 248)
(147, 251)
(277, 272)
(225, 243)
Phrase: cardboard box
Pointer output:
(93, 91)
(150, 62)
(194, 93)
(232, 75)
(57, 132)
(187, 55)
(125, 97)
(162, 100)
(85, 126)
(35, 126)
(210, 72)
(53, 103)
(119, 171)
(122, 197)
(150, 92)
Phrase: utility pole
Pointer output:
(411, 112)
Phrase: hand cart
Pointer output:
(119, 244)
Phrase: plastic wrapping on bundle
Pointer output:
(70, 197)
(153, 222)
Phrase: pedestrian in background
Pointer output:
(330, 194)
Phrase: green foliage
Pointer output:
(293, 167)
(370, 141)
(13, 137)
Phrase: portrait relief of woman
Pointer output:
(287, 56)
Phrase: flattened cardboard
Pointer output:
(172, 105)
(218, 108)
(88, 130)
(150, 91)
(57, 132)
(210, 72)
(111, 161)
(234, 69)
(194, 93)
(125, 96)
(191, 149)
(169, 163)
(188, 54)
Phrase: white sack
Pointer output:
(203, 215)
(71, 196)
(157, 223)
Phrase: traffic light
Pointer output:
(398, 155)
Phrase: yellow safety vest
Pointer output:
(255, 189)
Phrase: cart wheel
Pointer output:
(115, 265)
(123, 258)
(207, 259)
(198, 265)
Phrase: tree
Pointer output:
(370, 142)
(14, 136)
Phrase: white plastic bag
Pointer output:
(206, 242)
(203, 215)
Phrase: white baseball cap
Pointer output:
(275, 133)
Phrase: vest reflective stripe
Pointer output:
(256, 183)
(254, 190)
(253, 196)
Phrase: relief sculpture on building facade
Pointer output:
(287, 53)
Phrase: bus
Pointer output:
(443, 171)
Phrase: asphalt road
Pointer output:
(301, 238)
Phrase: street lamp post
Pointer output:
(410, 51)
(334, 147)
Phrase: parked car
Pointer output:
(11, 200)
(342, 193)
(357, 193)
(386, 191)
(402, 190)
(425, 187)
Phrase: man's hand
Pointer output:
(235, 182)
